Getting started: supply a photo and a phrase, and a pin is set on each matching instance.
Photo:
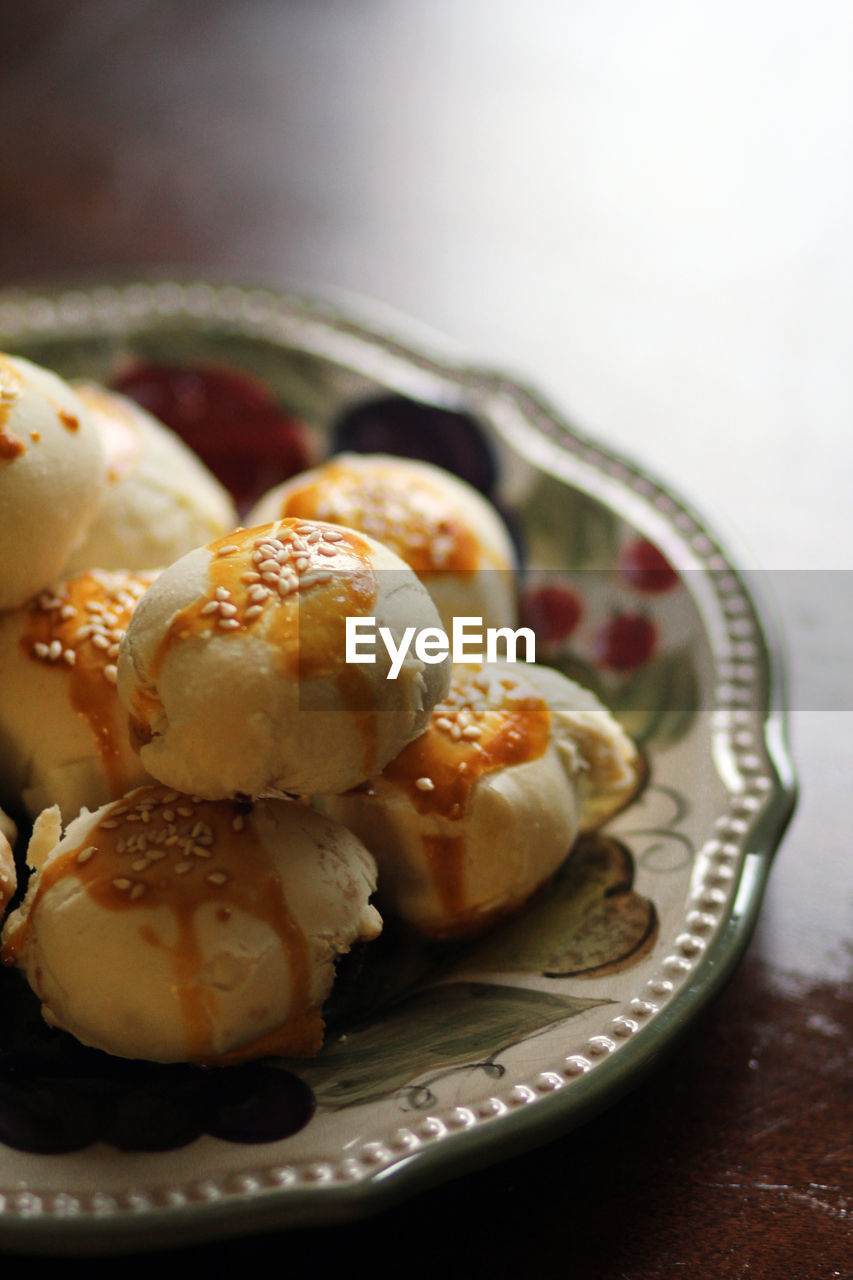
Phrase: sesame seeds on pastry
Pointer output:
(174, 929)
(63, 731)
(473, 816)
(446, 531)
(234, 670)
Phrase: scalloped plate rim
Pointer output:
(531, 1123)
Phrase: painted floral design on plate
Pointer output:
(432, 1048)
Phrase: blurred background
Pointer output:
(644, 209)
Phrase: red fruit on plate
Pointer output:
(625, 642)
(229, 418)
(646, 568)
(552, 611)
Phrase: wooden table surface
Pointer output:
(645, 208)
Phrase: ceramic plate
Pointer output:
(440, 1060)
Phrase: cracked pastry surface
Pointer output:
(160, 500)
(63, 731)
(52, 477)
(472, 817)
(234, 670)
(440, 526)
(173, 929)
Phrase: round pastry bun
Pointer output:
(8, 828)
(52, 477)
(63, 731)
(160, 500)
(175, 930)
(8, 874)
(234, 670)
(482, 809)
(446, 531)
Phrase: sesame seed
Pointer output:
(85, 854)
(222, 593)
(39, 649)
(229, 550)
(472, 732)
(141, 864)
(425, 784)
(111, 673)
(239, 822)
(181, 868)
(212, 607)
(254, 611)
(67, 611)
(228, 624)
(122, 884)
(227, 610)
(185, 811)
(217, 877)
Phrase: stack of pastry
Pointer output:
(212, 784)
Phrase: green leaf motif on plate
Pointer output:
(566, 529)
(453, 1024)
(658, 702)
(590, 920)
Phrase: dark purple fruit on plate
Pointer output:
(409, 429)
(256, 1103)
(162, 1113)
(47, 1115)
